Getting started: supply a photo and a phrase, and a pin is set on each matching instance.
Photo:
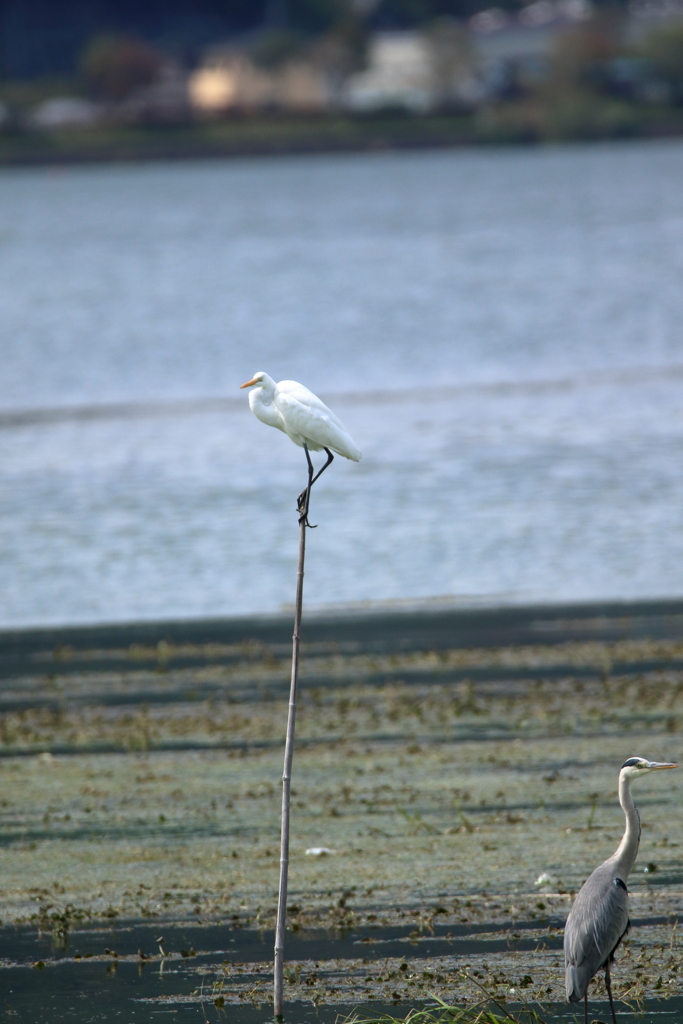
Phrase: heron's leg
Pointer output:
(585, 1006)
(304, 498)
(608, 985)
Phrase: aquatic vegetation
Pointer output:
(448, 1015)
(442, 1013)
(447, 783)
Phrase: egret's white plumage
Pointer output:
(307, 421)
(301, 415)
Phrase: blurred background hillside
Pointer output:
(435, 71)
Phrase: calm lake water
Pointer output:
(502, 332)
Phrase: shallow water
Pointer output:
(499, 329)
(50, 985)
(464, 815)
(22, 945)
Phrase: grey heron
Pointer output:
(598, 919)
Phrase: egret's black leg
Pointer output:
(304, 498)
(608, 984)
(330, 460)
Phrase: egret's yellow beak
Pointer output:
(656, 766)
(248, 383)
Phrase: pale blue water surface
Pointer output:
(501, 330)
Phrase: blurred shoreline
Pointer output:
(296, 135)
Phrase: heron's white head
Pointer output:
(259, 380)
(637, 766)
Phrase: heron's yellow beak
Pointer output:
(248, 383)
(656, 766)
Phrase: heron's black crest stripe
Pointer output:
(621, 884)
(631, 763)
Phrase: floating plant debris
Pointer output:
(139, 813)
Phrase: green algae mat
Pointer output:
(447, 802)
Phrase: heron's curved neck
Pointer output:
(628, 847)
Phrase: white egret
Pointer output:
(598, 919)
(301, 415)
(305, 419)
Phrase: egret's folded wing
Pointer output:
(317, 424)
(314, 421)
(291, 388)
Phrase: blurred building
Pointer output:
(400, 73)
(644, 15)
(165, 99)
(65, 112)
(230, 80)
(521, 44)
(546, 60)
(455, 64)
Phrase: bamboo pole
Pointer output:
(279, 958)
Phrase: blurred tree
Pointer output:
(340, 49)
(411, 13)
(276, 46)
(663, 49)
(345, 46)
(454, 59)
(47, 37)
(340, 52)
(315, 16)
(581, 56)
(575, 101)
(405, 13)
(115, 65)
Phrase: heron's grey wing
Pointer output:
(596, 923)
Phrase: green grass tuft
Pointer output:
(442, 1013)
